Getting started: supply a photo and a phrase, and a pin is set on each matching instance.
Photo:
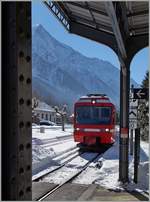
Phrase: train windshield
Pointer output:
(93, 115)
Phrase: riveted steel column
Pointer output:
(16, 101)
(124, 121)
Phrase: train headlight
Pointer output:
(77, 129)
(107, 129)
(93, 102)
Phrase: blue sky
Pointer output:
(41, 15)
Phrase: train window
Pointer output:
(105, 112)
(93, 115)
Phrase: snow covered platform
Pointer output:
(80, 192)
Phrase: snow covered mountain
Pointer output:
(61, 75)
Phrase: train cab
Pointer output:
(94, 120)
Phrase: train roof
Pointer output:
(97, 98)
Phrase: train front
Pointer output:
(94, 120)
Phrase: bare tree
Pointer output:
(34, 105)
(62, 113)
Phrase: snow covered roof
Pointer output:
(43, 110)
(42, 106)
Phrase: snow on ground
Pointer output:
(40, 142)
(43, 151)
(70, 168)
(143, 172)
(103, 172)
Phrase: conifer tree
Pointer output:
(145, 82)
(143, 111)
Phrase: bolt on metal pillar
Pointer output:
(124, 122)
(16, 101)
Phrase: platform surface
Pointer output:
(80, 192)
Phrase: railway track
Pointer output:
(70, 177)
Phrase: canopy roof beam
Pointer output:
(91, 14)
(138, 13)
(59, 13)
(77, 4)
(124, 18)
(93, 34)
(116, 29)
(104, 28)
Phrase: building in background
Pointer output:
(43, 112)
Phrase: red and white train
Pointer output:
(94, 120)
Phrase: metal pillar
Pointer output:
(124, 122)
(131, 142)
(16, 101)
(136, 153)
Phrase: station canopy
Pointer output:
(111, 23)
